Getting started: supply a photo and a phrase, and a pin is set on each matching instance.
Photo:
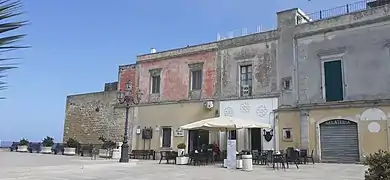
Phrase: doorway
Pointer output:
(197, 138)
(256, 139)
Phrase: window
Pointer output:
(166, 137)
(287, 134)
(155, 84)
(196, 80)
(246, 80)
(333, 81)
(286, 83)
(233, 135)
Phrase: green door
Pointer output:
(333, 81)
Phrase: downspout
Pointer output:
(296, 72)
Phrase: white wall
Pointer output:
(254, 109)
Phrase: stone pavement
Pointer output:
(57, 167)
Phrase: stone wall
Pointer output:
(261, 56)
(89, 116)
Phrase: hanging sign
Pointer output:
(179, 132)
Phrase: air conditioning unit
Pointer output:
(209, 105)
(245, 90)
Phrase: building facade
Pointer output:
(322, 88)
(338, 104)
(178, 88)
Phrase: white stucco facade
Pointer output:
(254, 109)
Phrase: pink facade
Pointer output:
(127, 73)
(175, 76)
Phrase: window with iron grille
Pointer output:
(196, 80)
(155, 84)
(246, 80)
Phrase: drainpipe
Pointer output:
(296, 72)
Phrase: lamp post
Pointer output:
(128, 98)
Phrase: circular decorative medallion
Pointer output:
(228, 111)
(374, 127)
(245, 107)
(261, 111)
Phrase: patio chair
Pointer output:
(311, 156)
(292, 156)
(256, 156)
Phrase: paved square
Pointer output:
(57, 167)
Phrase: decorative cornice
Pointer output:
(333, 51)
(155, 72)
(196, 66)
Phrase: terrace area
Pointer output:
(34, 166)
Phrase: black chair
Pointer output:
(256, 156)
(292, 156)
(311, 157)
(168, 155)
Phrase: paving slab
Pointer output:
(33, 166)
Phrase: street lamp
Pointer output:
(128, 98)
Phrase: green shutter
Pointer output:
(333, 81)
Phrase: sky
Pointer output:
(77, 46)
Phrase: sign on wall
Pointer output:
(178, 132)
(337, 122)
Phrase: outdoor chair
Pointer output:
(278, 159)
(256, 156)
(292, 156)
(311, 157)
(168, 155)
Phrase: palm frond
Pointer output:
(8, 10)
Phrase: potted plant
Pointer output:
(23, 145)
(47, 143)
(378, 165)
(181, 147)
(70, 147)
(182, 157)
(108, 145)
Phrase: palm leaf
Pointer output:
(8, 10)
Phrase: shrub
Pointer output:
(48, 141)
(107, 144)
(23, 142)
(181, 146)
(72, 143)
(378, 166)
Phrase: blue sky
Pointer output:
(77, 46)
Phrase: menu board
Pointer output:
(231, 154)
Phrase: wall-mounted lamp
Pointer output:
(157, 128)
(138, 131)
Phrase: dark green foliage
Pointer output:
(378, 166)
(181, 146)
(8, 10)
(23, 142)
(107, 144)
(72, 143)
(48, 142)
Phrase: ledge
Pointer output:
(336, 105)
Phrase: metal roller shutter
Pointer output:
(339, 141)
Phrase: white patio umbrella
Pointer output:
(225, 123)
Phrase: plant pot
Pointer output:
(182, 160)
(69, 151)
(104, 153)
(181, 152)
(116, 154)
(46, 150)
(22, 149)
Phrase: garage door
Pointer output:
(339, 141)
